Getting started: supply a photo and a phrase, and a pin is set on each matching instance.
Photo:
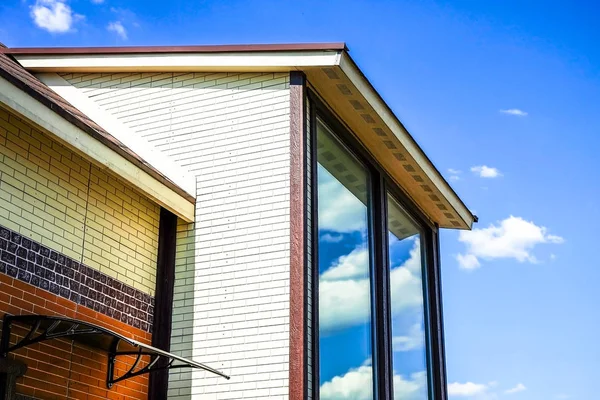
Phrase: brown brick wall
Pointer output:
(62, 369)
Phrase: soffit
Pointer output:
(413, 176)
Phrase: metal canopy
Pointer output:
(43, 327)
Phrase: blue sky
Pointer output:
(525, 310)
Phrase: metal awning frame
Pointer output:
(43, 327)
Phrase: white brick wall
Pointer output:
(231, 307)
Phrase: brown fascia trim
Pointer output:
(117, 147)
(298, 257)
(238, 48)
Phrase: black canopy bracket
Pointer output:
(43, 327)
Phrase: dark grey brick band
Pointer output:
(33, 263)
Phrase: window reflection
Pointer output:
(406, 296)
(344, 273)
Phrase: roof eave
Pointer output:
(82, 139)
(241, 58)
(374, 98)
(129, 50)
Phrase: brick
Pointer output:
(9, 165)
(11, 183)
(16, 145)
(6, 151)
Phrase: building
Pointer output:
(258, 209)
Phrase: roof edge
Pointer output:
(227, 48)
(453, 198)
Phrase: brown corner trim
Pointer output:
(298, 267)
(234, 48)
(163, 315)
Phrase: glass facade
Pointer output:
(372, 311)
(345, 322)
(409, 357)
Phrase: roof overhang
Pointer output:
(183, 58)
(18, 101)
(332, 74)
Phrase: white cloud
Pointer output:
(486, 172)
(350, 266)
(467, 389)
(341, 211)
(468, 261)
(344, 289)
(118, 28)
(414, 339)
(357, 384)
(514, 111)
(513, 237)
(414, 388)
(519, 388)
(454, 174)
(55, 16)
(329, 238)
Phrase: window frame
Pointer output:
(379, 185)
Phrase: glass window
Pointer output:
(409, 357)
(345, 326)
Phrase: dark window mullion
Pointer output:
(381, 305)
(315, 251)
(435, 332)
(430, 325)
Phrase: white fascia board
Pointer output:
(121, 132)
(357, 78)
(176, 61)
(15, 99)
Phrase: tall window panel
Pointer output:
(345, 295)
(409, 357)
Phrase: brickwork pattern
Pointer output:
(28, 261)
(61, 369)
(183, 309)
(231, 307)
(51, 195)
(121, 232)
(78, 243)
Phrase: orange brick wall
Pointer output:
(62, 369)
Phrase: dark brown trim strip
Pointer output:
(314, 209)
(298, 267)
(382, 329)
(436, 318)
(31, 262)
(165, 281)
(228, 48)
